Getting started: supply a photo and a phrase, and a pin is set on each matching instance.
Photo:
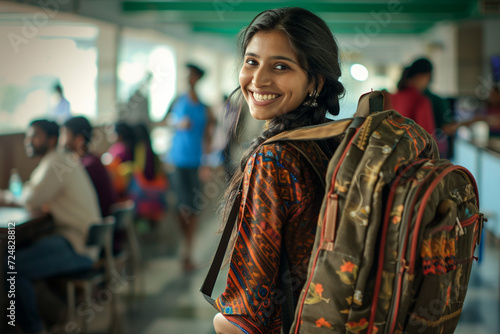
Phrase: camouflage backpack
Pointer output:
(396, 235)
(396, 232)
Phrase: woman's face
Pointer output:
(271, 79)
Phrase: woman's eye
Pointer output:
(281, 67)
(251, 62)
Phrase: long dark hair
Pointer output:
(142, 137)
(126, 133)
(318, 55)
(419, 66)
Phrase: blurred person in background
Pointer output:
(443, 115)
(59, 185)
(410, 100)
(149, 183)
(75, 137)
(493, 111)
(136, 110)
(61, 111)
(193, 124)
(119, 157)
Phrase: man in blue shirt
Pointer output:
(194, 125)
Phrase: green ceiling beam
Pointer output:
(228, 17)
(333, 25)
(246, 17)
(343, 31)
(457, 7)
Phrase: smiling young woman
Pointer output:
(290, 77)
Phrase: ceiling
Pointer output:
(227, 17)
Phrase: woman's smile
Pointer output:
(264, 98)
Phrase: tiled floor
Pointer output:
(481, 312)
(171, 302)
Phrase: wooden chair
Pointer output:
(100, 235)
(128, 255)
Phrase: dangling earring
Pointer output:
(311, 102)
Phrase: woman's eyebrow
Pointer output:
(251, 54)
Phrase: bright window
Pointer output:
(32, 64)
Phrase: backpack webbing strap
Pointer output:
(313, 132)
(288, 306)
(376, 102)
(208, 285)
(370, 103)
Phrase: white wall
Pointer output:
(441, 49)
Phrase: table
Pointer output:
(26, 228)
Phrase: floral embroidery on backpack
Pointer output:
(348, 272)
(356, 327)
(315, 294)
(321, 322)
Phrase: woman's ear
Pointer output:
(317, 84)
(321, 82)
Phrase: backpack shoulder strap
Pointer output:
(208, 285)
(368, 103)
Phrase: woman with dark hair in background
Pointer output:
(149, 184)
(119, 157)
(410, 101)
(123, 139)
(290, 78)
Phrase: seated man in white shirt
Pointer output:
(59, 185)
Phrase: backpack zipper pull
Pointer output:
(330, 222)
(459, 230)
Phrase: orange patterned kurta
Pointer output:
(281, 200)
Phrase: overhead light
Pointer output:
(359, 72)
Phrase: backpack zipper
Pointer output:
(422, 208)
(465, 223)
(385, 226)
(403, 263)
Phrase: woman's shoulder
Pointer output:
(291, 155)
(282, 149)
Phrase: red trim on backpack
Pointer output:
(411, 267)
(465, 223)
(405, 245)
(422, 208)
(387, 217)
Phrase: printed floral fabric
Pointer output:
(281, 200)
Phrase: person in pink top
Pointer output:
(410, 101)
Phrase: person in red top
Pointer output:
(410, 101)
